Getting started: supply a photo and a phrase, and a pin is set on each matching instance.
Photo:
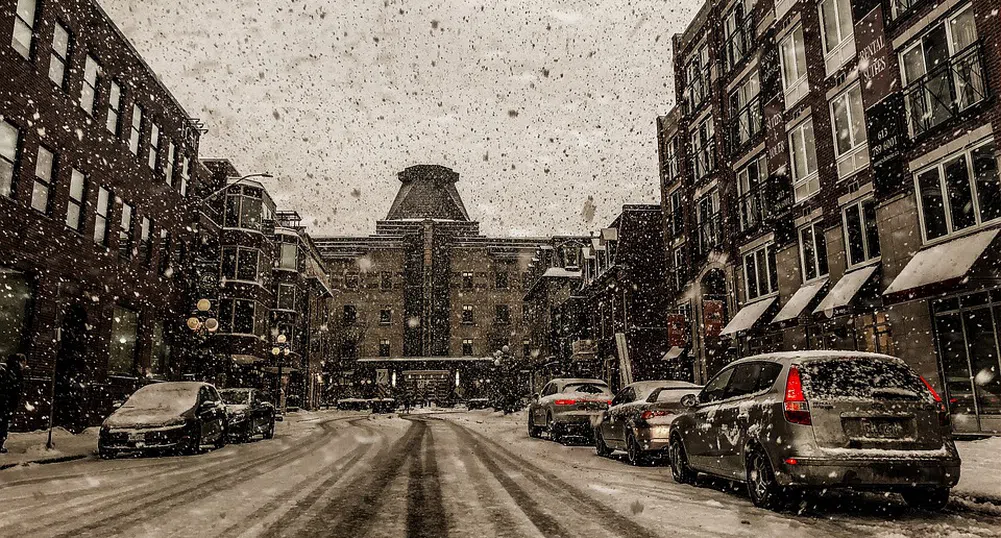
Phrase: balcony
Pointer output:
(946, 91)
(760, 206)
(696, 93)
(739, 43)
(709, 233)
(703, 160)
(745, 124)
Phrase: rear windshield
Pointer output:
(235, 397)
(586, 388)
(862, 378)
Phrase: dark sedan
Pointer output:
(178, 416)
(250, 413)
(639, 419)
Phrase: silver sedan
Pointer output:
(567, 406)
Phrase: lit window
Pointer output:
(384, 348)
(122, 348)
(74, 209)
(144, 229)
(803, 155)
(60, 52)
(848, 122)
(9, 142)
(24, 23)
(467, 314)
(467, 281)
(44, 172)
(467, 348)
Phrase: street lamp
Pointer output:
(280, 351)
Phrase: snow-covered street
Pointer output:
(453, 473)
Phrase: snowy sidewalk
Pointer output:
(981, 472)
(24, 448)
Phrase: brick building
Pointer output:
(830, 181)
(425, 300)
(95, 161)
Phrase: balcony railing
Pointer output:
(946, 90)
(709, 231)
(756, 206)
(901, 7)
(703, 160)
(739, 43)
(696, 93)
(746, 123)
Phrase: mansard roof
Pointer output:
(428, 192)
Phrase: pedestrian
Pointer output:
(11, 386)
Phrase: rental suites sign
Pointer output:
(882, 98)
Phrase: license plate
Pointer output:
(882, 429)
(137, 437)
(140, 444)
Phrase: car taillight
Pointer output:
(797, 410)
(565, 402)
(943, 413)
(647, 415)
(609, 402)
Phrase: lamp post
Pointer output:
(280, 351)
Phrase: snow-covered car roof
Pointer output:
(644, 388)
(577, 380)
(235, 390)
(809, 355)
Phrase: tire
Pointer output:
(633, 451)
(553, 429)
(221, 441)
(931, 499)
(106, 454)
(194, 445)
(600, 448)
(764, 491)
(680, 471)
(533, 430)
(270, 432)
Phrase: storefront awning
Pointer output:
(844, 290)
(747, 316)
(947, 261)
(673, 353)
(799, 300)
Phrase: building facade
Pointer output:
(426, 300)
(95, 164)
(830, 182)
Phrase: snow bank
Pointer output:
(981, 468)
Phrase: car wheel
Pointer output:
(633, 451)
(106, 454)
(194, 445)
(600, 448)
(221, 440)
(270, 433)
(680, 471)
(931, 499)
(764, 491)
(533, 430)
(552, 428)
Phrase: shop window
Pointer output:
(16, 295)
(813, 251)
(861, 234)
(124, 332)
(159, 352)
(959, 192)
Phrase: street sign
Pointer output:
(382, 376)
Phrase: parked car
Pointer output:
(250, 412)
(177, 416)
(477, 403)
(566, 406)
(639, 419)
(823, 419)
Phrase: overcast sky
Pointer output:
(537, 105)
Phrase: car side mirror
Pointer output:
(690, 400)
(535, 397)
(205, 406)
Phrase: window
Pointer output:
(813, 251)
(88, 94)
(704, 149)
(960, 191)
(943, 72)
(159, 350)
(351, 281)
(792, 58)
(286, 297)
(848, 122)
(753, 198)
(74, 209)
(679, 269)
(760, 275)
(152, 160)
(677, 216)
(163, 254)
(244, 207)
(125, 233)
(708, 220)
(803, 155)
(500, 280)
(697, 74)
(24, 28)
(171, 156)
(137, 122)
(745, 111)
(101, 217)
(122, 348)
(350, 314)
(144, 247)
(60, 52)
(467, 281)
(861, 234)
(467, 348)
(836, 32)
(237, 316)
(502, 314)
(671, 156)
(15, 309)
(44, 172)
(241, 263)
(386, 316)
(738, 28)
(9, 142)
(185, 163)
(716, 388)
(386, 280)
(467, 314)
(526, 349)
(114, 109)
(384, 348)
(289, 256)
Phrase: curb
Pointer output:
(45, 461)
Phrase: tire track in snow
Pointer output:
(425, 510)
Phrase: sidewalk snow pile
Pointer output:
(30, 447)
(981, 461)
